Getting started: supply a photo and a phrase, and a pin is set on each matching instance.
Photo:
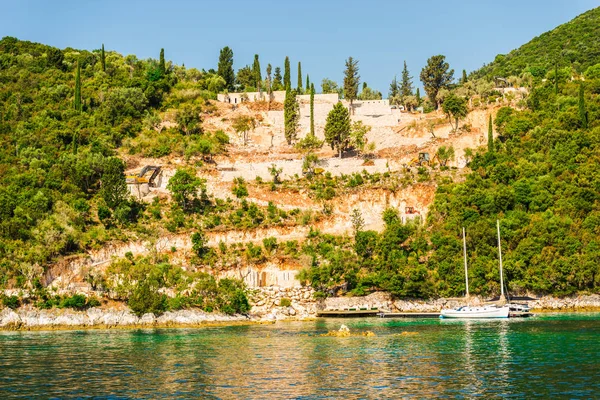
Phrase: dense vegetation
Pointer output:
(574, 44)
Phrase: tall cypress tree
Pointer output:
(291, 115)
(418, 96)
(103, 59)
(77, 103)
(312, 110)
(256, 72)
(307, 83)
(299, 78)
(490, 136)
(406, 85)
(351, 80)
(161, 65)
(269, 79)
(225, 67)
(464, 77)
(582, 110)
(287, 78)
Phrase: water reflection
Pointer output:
(418, 358)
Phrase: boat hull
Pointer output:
(475, 312)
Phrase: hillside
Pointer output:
(574, 44)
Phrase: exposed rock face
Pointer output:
(267, 302)
(567, 303)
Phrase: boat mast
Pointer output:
(465, 256)
(502, 298)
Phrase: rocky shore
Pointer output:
(268, 304)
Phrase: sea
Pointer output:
(548, 356)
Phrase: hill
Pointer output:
(574, 44)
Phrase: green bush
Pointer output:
(285, 302)
(12, 302)
(145, 298)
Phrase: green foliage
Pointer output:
(337, 128)
(114, 188)
(406, 85)
(291, 115)
(184, 187)
(455, 107)
(256, 72)
(285, 302)
(351, 80)
(239, 189)
(490, 142)
(287, 80)
(329, 86)
(225, 67)
(77, 103)
(436, 75)
(145, 298)
(188, 119)
(12, 302)
(299, 88)
(583, 117)
(312, 108)
(569, 44)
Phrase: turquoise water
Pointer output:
(550, 356)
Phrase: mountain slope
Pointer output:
(575, 43)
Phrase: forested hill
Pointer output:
(575, 44)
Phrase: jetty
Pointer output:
(349, 313)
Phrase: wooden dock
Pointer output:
(409, 315)
(348, 313)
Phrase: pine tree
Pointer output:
(277, 82)
(406, 88)
(582, 111)
(77, 102)
(161, 65)
(225, 67)
(287, 79)
(299, 78)
(103, 59)
(490, 136)
(418, 96)
(307, 83)
(337, 128)
(312, 109)
(291, 115)
(464, 77)
(393, 90)
(435, 76)
(351, 80)
(256, 72)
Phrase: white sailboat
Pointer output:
(486, 311)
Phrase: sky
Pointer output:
(381, 34)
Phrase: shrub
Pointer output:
(11, 302)
(285, 302)
(146, 299)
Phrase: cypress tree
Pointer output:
(103, 59)
(351, 80)
(77, 103)
(464, 78)
(337, 128)
(393, 91)
(256, 72)
(277, 83)
(418, 97)
(225, 67)
(161, 65)
(291, 115)
(287, 79)
(299, 78)
(307, 83)
(406, 85)
(490, 136)
(269, 80)
(312, 110)
(582, 110)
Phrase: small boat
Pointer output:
(485, 311)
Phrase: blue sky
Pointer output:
(321, 34)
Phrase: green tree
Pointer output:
(394, 90)
(435, 76)
(184, 186)
(78, 88)
(358, 133)
(239, 188)
(490, 135)
(277, 82)
(418, 97)
(464, 77)
(445, 154)
(307, 83)
(351, 80)
(406, 87)
(358, 222)
(256, 72)
(199, 242)
(299, 90)
(189, 120)
(291, 115)
(329, 86)
(312, 110)
(455, 107)
(582, 111)
(113, 184)
(103, 59)
(287, 78)
(245, 78)
(146, 298)
(161, 64)
(275, 172)
(269, 79)
(225, 67)
(242, 125)
(337, 128)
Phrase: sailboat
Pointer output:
(486, 311)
